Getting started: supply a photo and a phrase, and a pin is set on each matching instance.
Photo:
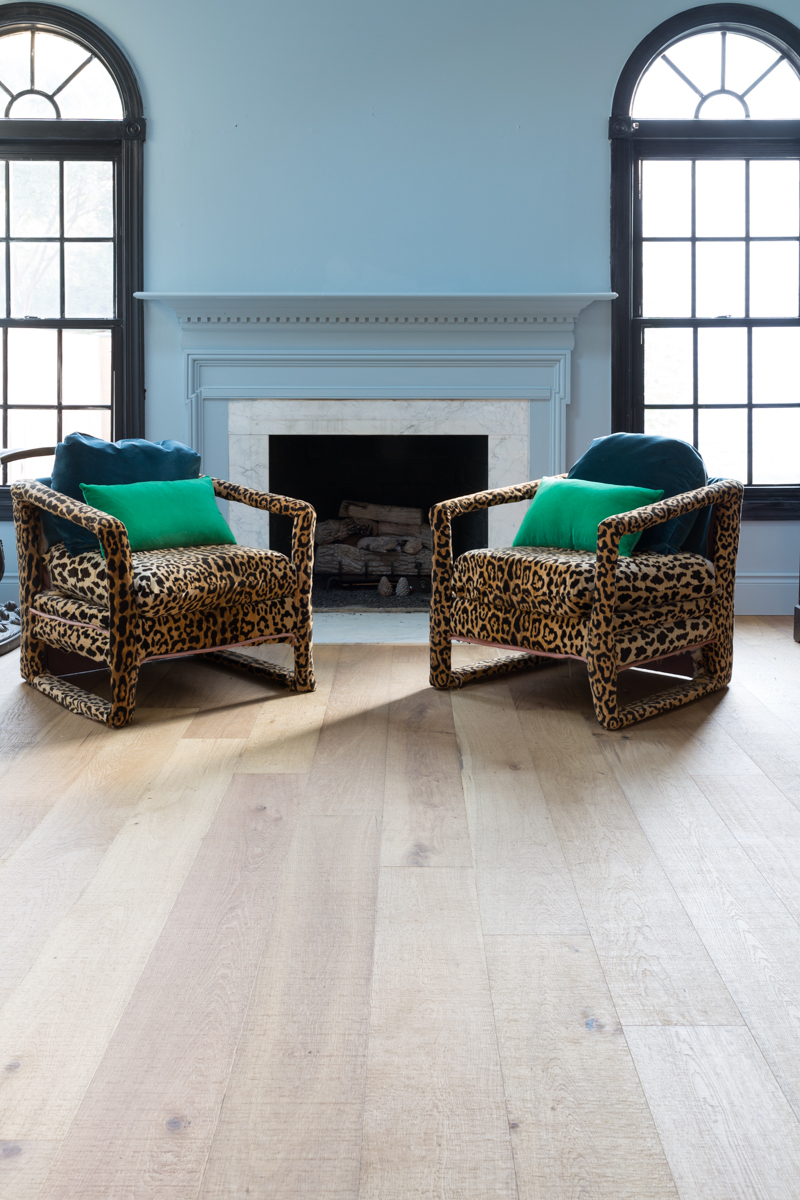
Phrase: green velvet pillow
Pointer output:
(164, 513)
(566, 512)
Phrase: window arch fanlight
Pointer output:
(705, 245)
(71, 141)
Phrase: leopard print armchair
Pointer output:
(609, 612)
(125, 609)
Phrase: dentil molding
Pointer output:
(242, 309)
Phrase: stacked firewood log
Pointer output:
(373, 539)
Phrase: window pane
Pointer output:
(776, 437)
(96, 422)
(33, 108)
(778, 97)
(86, 366)
(776, 354)
(92, 96)
(745, 59)
(32, 366)
(88, 199)
(662, 93)
(722, 366)
(720, 199)
(722, 107)
(55, 59)
(773, 279)
(666, 199)
(668, 375)
(34, 199)
(700, 57)
(720, 279)
(15, 62)
(722, 437)
(89, 279)
(667, 279)
(774, 194)
(669, 422)
(31, 427)
(35, 279)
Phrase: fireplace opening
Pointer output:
(372, 493)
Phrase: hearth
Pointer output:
(372, 494)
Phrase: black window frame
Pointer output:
(122, 142)
(632, 141)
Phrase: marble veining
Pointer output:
(505, 422)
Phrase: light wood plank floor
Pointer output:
(385, 943)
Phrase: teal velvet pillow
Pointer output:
(164, 513)
(566, 512)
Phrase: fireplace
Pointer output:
(412, 472)
(261, 368)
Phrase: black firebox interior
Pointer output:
(414, 472)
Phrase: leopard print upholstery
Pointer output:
(129, 608)
(613, 613)
(186, 579)
(549, 580)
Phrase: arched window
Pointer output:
(705, 138)
(71, 134)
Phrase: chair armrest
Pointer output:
(13, 453)
(727, 494)
(447, 509)
(105, 527)
(28, 495)
(305, 520)
(441, 516)
(639, 519)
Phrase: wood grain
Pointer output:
(164, 1074)
(23, 1167)
(435, 1121)
(754, 942)
(424, 818)
(285, 734)
(766, 825)
(94, 956)
(191, 1006)
(725, 1124)
(293, 1113)
(658, 970)
(523, 883)
(579, 1120)
(349, 769)
(49, 871)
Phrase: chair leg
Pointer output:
(603, 683)
(441, 675)
(303, 680)
(123, 696)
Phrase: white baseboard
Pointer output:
(766, 595)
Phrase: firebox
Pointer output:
(380, 472)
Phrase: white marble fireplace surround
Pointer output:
(256, 366)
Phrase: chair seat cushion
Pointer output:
(187, 579)
(562, 582)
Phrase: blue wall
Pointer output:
(368, 145)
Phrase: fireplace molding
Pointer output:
(542, 376)
(495, 364)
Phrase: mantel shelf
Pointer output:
(197, 309)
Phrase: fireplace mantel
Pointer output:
(257, 365)
(260, 309)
